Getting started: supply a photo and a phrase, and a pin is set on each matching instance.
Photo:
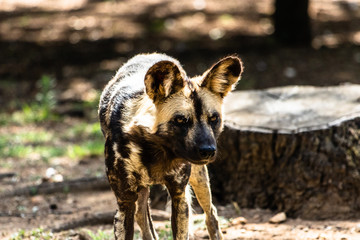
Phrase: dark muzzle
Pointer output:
(207, 151)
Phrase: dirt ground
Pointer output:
(74, 206)
(81, 43)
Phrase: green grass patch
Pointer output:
(33, 137)
(39, 110)
(42, 109)
(75, 140)
(100, 235)
(88, 148)
(90, 141)
(34, 234)
(165, 233)
(33, 113)
(23, 144)
(14, 146)
(84, 130)
(80, 141)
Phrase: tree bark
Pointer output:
(292, 149)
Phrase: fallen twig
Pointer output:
(87, 220)
(7, 175)
(78, 185)
(103, 218)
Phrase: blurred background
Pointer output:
(57, 55)
(83, 42)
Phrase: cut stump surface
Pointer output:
(293, 149)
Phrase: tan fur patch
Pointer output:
(212, 102)
(133, 165)
(178, 103)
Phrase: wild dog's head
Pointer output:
(189, 111)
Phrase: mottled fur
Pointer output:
(161, 128)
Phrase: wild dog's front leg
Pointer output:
(180, 212)
(199, 180)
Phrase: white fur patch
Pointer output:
(119, 227)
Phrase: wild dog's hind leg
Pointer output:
(125, 197)
(124, 217)
(143, 217)
(199, 181)
(124, 221)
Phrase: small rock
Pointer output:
(328, 228)
(37, 199)
(50, 172)
(52, 175)
(239, 220)
(57, 178)
(278, 218)
(323, 236)
(357, 228)
(35, 209)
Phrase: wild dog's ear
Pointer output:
(162, 80)
(223, 75)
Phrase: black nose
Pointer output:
(207, 151)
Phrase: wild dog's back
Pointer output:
(125, 93)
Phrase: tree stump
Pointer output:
(293, 149)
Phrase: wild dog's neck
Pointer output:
(155, 147)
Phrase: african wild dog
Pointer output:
(161, 128)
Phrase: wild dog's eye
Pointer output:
(180, 119)
(214, 118)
